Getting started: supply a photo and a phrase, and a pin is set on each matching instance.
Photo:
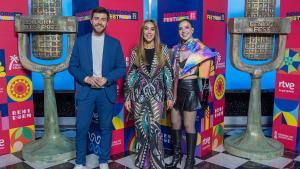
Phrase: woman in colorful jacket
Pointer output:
(149, 84)
(191, 62)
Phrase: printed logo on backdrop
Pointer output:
(218, 112)
(19, 88)
(286, 135)
(14, 63)
(117, 145)
(177, 16)
(8, 16)
(220, 62)
(215, 16)
(206, 142)
(219, 87)
(293, 16)
(4, 142)
(20, 114)
(2, 64)
(291, 63)
(114, 15)
(287, 86)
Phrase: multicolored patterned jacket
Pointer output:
(158, 83)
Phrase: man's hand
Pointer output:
(103, 81)
(93, 81)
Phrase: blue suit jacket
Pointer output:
(81, 65)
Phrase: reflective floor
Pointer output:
(216, 160)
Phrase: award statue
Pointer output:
(46, 26)
(259, 30)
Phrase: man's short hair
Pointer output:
(100, 10)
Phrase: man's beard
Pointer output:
(102, 31)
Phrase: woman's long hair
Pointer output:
(157, 46)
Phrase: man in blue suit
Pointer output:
(96, 63)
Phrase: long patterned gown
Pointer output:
(147, 91)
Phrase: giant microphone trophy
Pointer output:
(46, 27)
(259, 31)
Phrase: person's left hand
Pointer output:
(102, 81)
(169, 104)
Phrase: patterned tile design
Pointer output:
(218, 159)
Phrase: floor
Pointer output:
(216, 160)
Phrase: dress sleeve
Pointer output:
(168, 74)
(131, 78)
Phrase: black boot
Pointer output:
(191, 139)
(176, 137)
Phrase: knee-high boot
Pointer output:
(191, 139)
(176, 137)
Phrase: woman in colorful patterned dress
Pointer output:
(191, 62)
(149, 84)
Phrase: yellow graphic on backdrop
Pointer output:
(19, 88)
(219, 87)
(2, 71)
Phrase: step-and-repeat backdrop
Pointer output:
(287, 90)
(209, 18)
(16, 104)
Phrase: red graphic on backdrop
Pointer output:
(218, 112)
(287, 86)
(291, 9)
(285, 134)
(20, 114)
(128, 35)
(7, 32)
(117, 145)
(206, 142)
(4, 142)
(3, 94)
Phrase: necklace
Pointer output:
(149, 45)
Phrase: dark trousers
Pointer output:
(96, 100)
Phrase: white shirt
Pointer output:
(97, 51)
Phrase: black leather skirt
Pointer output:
(187, 95)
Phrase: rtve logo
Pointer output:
(2, 142)
(286, 85)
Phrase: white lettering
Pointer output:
(2, 143)
(289, 85)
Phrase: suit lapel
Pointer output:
(89, 50)
(105, 59)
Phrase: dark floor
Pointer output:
(236, 103)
